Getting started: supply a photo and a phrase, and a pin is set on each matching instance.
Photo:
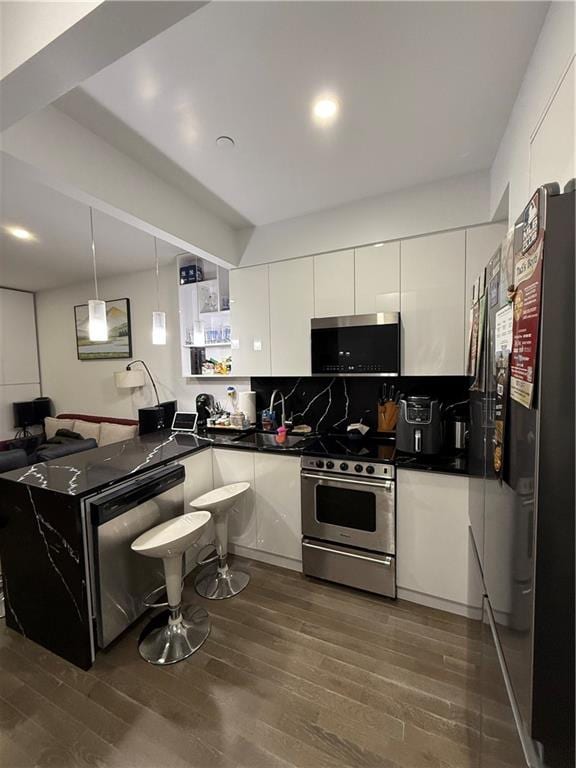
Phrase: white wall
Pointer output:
(19, 373)
(29, 26)
(460, 201)
(88, 386)
(550, 60)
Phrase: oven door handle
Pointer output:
(386, 485)
(387, 561)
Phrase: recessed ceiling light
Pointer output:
(378, 245)
(20, 233)
(325, 109)
(225, 142)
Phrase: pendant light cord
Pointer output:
(93, 251)
(157, 274)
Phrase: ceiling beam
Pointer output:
(57, 151)
(107, 32)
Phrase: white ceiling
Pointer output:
(425, 91)
(61, 253)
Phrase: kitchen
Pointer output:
(371, 484)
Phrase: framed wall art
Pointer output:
(119, 344)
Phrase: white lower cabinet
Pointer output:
(236, 467)
(434, 565)
(199, 480)
(277, 485)
(199, 477)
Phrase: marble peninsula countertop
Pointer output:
(81, 474)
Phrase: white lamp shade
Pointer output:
(158, 327)
(130, 379)
(97, 324)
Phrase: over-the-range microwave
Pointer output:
(356, 345)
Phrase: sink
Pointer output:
(264, 440)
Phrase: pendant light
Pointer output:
(158, 317)
(97, 322)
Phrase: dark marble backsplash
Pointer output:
(328, 405)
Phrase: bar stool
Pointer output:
(181, 637)
(225, 582)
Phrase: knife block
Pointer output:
(387, 416)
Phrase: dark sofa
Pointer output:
(18, 458)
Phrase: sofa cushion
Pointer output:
(113, 433)
(52, 425)
(48, 452)
(88, 429)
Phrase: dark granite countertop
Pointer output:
(446, 464)
(84, 473)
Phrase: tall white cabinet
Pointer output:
(334, 284)
(19, 369)
(291, 309)
(377, 278)
(250, 321)
(432, 304)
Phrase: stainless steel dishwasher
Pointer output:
(120, 577)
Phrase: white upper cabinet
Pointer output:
(377, 276)
(18, 345)
(250, 321)
(432, 304)
(552, 150)
(291, 308)
(334, 284)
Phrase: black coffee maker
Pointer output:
(204, 408)
(419, 426)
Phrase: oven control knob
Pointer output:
(370, 470)
(358, 468)
(329, 465)
(319, 463)
(344, 466)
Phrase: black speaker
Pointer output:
(24, 414)
(170, 408)
(43, 408)
(151, 419)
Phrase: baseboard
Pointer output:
(439, 603)
(266, 557)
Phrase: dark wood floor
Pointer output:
(295, 673)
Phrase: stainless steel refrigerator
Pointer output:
(522, 504)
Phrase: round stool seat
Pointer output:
(220, 499)
(173, 537)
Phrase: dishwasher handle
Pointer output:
(121, 500)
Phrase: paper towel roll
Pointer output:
(247, 404)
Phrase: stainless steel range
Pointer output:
(349, 521)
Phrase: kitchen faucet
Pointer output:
(277, 392)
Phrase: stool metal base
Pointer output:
(173, 642)
(220, 585)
